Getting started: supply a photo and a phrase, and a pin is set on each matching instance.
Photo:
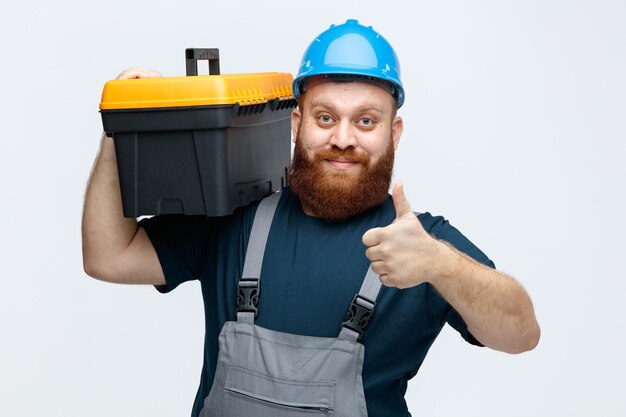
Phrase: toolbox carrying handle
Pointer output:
(193, 55)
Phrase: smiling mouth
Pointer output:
(342, 163)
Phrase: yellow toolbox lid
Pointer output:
(202, 90)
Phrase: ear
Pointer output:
(397, 126)
(296, 118)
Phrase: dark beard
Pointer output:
(337, 196)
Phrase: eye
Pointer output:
(367, 122)
(324, 118)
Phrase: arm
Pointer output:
(115, 248)
(497, 310)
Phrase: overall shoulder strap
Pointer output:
(249, 284)
(361, 308)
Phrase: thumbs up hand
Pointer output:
(403, 254)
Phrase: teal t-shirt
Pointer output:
(311, 271)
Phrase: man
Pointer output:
(333, 222)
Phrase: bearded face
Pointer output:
(336, 195)
(345, 136)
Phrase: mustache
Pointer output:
(349, 154)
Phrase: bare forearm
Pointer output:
(495, 307)
(105, 230)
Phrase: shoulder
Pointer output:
(436, 225)
(440, 228)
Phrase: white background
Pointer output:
(515, 129)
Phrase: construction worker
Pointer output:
(323, 298)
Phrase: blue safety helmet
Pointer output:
(351, 50)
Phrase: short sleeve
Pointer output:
(440, 228)
(180, 243)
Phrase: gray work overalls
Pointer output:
(265, 373)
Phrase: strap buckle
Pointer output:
(248, 295)
(359, 314)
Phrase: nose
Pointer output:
(343, 135)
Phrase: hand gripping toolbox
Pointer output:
(199, 144)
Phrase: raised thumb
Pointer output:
(400, 202)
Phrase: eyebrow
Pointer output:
(360, 109)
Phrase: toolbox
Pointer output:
(199, 144)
